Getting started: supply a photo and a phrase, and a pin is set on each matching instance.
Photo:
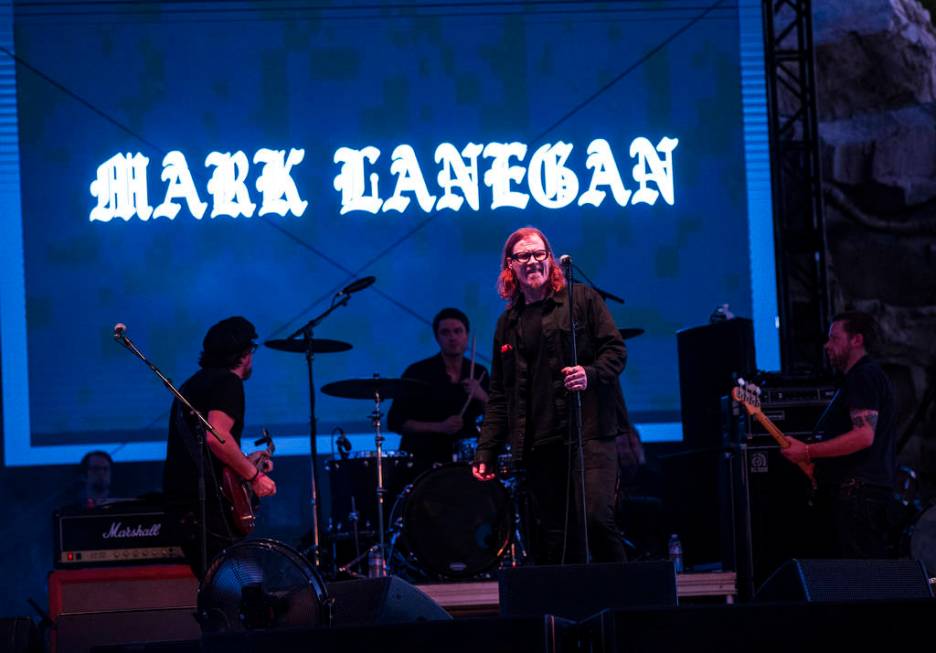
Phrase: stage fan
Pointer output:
(261, 584)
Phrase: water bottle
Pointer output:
(675, 553)
(375, 563)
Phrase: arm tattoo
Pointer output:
(861, 418)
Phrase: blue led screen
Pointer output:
(620, 128)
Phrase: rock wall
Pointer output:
(876, 90)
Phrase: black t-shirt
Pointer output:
(442, 400)
(541, 422)
(206, 390)
(865, 387)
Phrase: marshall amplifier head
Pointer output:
(125, 531)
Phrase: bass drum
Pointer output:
(923, 540)
(453, 526)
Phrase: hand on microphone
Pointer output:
(576, 379)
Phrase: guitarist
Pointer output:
(217, 392)
(856, 460)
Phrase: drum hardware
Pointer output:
(342, 442)
(317, 345)
(379, 389)
(512, 481)
(511, 475)
(353, 518)
(301, 341)
(465, 450)
(627, 334)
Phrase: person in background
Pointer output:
(95, 478)
(432, 424)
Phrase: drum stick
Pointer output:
(474, 341)
(468, 400)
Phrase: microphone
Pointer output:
(119, 330)
(342, 442)
(357, 285)
(565, 260)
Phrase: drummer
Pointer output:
(432, 425)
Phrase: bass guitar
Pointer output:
(748, 395)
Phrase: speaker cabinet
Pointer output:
(388, 600)
(783, 523)
(579, 591)
(117, 605)
(710, 358)
(121, 588)
(82, 632)
(454, 636)
(846, 580)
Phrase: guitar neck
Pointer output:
(772, 429)
(753, 409)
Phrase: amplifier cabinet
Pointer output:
(126, 531)
(121, 588)
(118, 605)
(795, 411)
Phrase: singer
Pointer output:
(217, 392)
(531, 399)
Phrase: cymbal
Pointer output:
(631, 333)
(367, 388)
(318, 345)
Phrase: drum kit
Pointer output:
(444, 524)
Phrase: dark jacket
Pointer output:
(601, 351)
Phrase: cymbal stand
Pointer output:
(378, 443)
(306, 332)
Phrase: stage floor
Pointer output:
(473, 599)
(174, 587)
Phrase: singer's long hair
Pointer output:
(507, 285)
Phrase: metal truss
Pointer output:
(799, 228)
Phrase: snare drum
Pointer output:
(453, 525)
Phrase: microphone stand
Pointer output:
(201, 428)
(577, 409)
(306, 331)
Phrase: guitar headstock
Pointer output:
(267, 440)
(747, 394)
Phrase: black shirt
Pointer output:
(541, 427)
(443, 400)
(206, 390)
(864, 387)
(601, 351)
